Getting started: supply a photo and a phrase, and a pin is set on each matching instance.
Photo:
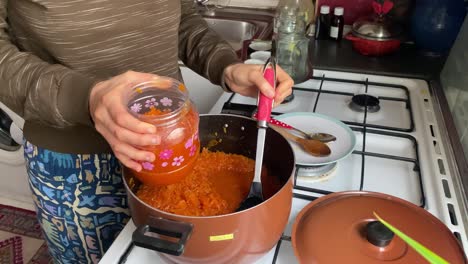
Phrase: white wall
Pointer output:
(202, 92)
(14, 186)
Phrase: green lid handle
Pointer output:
(430, 256)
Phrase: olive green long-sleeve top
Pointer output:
(53, 51)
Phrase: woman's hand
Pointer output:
(121, 130)
(247, 79)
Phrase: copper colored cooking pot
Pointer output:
(240, 237)
(342, 228)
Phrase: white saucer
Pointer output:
(312, 122)
(254, 61)
(260, 55)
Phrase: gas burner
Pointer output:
(358, 103)
(317, 173)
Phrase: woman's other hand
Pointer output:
(247, 79)
(112, 120)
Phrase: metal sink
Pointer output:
(238, 25)
(235, 32)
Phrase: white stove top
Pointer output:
(403, 154)
(334, 99)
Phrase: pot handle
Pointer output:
(162, 235)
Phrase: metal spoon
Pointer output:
(313, 147)
(324, 137)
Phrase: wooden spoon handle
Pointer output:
(313, 147)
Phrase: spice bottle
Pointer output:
(322, 26)
(164, 102)
(337, 23)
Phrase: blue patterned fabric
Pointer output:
(80, 200)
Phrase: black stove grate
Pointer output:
(248, 109)
(365, 130)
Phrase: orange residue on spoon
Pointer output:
(311, 146)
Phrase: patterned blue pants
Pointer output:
(81, 202)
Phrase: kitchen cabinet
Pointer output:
(202, 92)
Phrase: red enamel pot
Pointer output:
(370, 47)
(375, 35)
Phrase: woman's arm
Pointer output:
(200, 48)
(37, 90)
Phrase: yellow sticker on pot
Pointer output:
(222, 237)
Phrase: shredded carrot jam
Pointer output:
(155, 112)
(217, 185)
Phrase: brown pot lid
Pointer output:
(341, 228)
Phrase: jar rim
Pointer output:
(165, 88)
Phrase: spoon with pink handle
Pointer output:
(323, 137)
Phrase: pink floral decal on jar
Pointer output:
(147, 165)
(192, 150)
(166, 154)
(151, 102)
(189, 143)
(136, 107)
(166, 101)
(164, 164)
(178, 161)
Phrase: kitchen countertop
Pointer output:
(406, 62)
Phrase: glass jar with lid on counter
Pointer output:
(291, 19)
(164, 102)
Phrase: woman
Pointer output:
(64, 67)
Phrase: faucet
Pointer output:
(202, 6)
(201, 2)
(215, 5)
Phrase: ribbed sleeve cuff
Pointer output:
(73, 98)
(225, 87)
(219, 63)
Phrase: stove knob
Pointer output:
(378, 234)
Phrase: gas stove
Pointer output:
(401, 150)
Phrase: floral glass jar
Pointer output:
(164, 102)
